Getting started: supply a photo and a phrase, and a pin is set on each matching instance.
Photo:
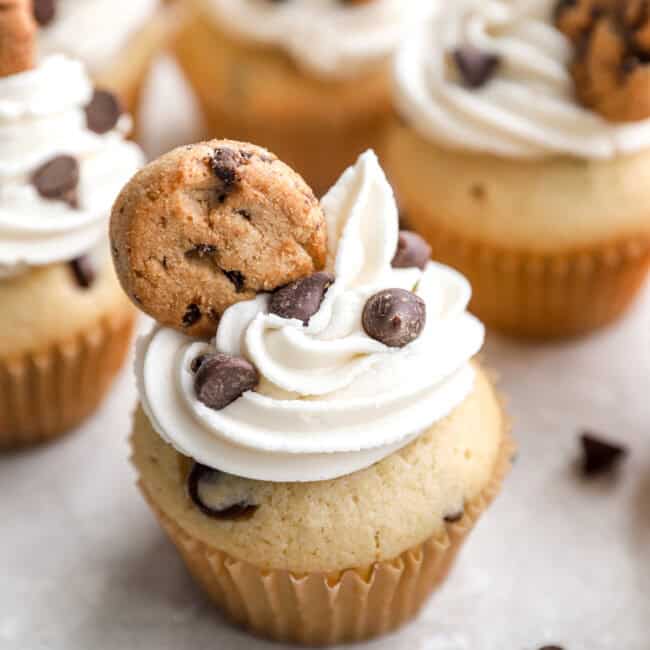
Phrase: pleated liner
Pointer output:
(546, 295)
(48, 392)
(320, 609)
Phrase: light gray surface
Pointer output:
(83, 564)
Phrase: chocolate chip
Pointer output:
(395, 317)
(201, 250)
(412, 251)
(103, 112)
(57, 179)
(221, 379)
(192, 315)
(224, 163)
(44, 11)
(211, 492)
(244, 213)
(83, 271)
(237, 278)
(301, 299)
(476, 67)
(599, 456)
(455, 517)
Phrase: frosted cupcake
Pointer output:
(323, 457)
(540, 200)
(308, 79)
(65, 323)
(116, 39)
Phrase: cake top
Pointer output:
(500, 77)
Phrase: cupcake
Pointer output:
(65, 323)
(319, 450)
(523, 153)
(308, 79)
(116, 39)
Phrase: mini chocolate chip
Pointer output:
(221, 379)
(201, 250)
(237, 278)
(395, 317)
(192, 315)
(455, 517)
(244, 213)
(44, 11)
(198, 362)
(599, 456)
(57, 178)
(83, 271)
(233, 505)
(412, 251)
(475, 67)
(224, 163)
(103, 112)
(301, 299)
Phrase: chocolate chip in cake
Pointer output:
(476, 67)
(103, 112)
(83, 270)
(217, 496)
(192, 315)
(412, 251)
(301, 299)
(395, 317)
(44, 11)
(221, 379)
(599, 456)
(57, 179)
(237, 279)
(224, 163)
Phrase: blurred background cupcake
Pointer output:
(541, 200)
(65, 323)
(309, 79)
(116, 39)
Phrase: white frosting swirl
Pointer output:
(42, 116)
(331, 400)
(527, 110)
(326, 37)
(94, 30)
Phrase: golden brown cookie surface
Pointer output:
(211, 224)
(610, 68)
(17, 33)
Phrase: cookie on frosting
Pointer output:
(212, 224)
(17, 31)
(610, 69)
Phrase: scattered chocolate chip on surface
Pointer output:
(224, 163)
(476, 67)
(192, 315)
(219, 495)
(83, 270)
(395, 317)
(44, 11)
(237, 278)
(412, 251)
(103, 112)
(599, 455)
(57, 179)
(301, 299)
(221, 379)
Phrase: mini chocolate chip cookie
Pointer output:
(211, 224)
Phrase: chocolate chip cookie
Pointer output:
(211, 224)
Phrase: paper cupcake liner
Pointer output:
(328, 608)
(546, 295)
(52, 390)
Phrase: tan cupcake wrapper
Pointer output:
(546, 295)
(52, 390)
(323, 609)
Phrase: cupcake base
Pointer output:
(48, 392)
(319, 609)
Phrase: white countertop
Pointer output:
(83, 564)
